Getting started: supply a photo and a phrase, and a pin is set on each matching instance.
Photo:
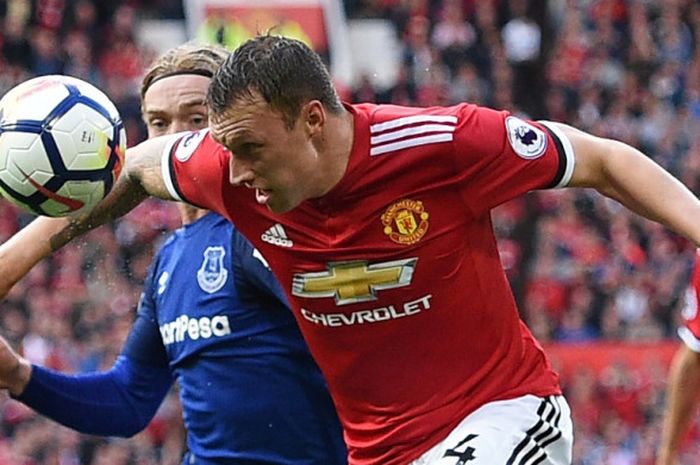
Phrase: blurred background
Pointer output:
(601, 288)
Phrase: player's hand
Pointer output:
(15, 371)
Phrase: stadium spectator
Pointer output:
(321, 130)
(569, 33)
(272, 385)
(684, 380)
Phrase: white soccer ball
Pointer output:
(62, 145)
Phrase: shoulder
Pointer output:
(393, 128)
(210, 226)
(380, 114)
(169, 242)
(216, 221)
(195, 145)
(394, 123)
(210, 229)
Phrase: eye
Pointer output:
(247, 150)
(198, 121)
(250, 147)
(157, 126)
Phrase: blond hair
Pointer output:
(188, 58)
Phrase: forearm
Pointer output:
(126, 194)
(644, 187)
(44, 235)
(682, 394)
(142, 177)
(119, 402)
(623, 173)
(26, 248)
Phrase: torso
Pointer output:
(242, 365)
(396, 284)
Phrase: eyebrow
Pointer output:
(242, 136)
(182, 105)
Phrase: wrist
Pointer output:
(20, 379)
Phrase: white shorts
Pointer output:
(528, 430)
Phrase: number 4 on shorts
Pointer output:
(462, 457)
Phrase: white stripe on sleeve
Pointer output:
(165, 167)
(568, 153)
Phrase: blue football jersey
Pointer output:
(250, 391)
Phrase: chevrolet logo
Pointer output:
(355, 281)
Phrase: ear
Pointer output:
(314, 117)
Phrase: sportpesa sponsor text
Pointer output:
(194, 328)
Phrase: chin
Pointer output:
(276, 208)
(279, 208)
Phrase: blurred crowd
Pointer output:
(582, 267)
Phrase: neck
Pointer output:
(190, 214)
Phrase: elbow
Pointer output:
(119, 427)
(141, 414)
(132, 168)
(135, 418)
(134, 427)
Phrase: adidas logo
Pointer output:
(276, 236)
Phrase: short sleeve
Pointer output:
(502, 156)
(195, 170)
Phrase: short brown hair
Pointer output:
(184, 59)
(285, 72)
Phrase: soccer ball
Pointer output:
(62, 145)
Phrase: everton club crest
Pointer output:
(212, 275)
(406, 221)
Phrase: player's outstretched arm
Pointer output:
(625, 174)
(682, 391)
(118, 402)
(25, 249)
(140, 178)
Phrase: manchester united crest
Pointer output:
(406, 221)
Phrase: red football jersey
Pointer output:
(394, 275)
(690, 332)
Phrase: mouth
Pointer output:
(262, 196)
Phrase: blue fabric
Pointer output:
(213, 316)
(251, 393)
(119, 402)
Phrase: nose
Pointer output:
(239, 172)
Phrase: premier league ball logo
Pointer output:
(527, 141)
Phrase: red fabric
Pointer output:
(430, 352)
(690, 312)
